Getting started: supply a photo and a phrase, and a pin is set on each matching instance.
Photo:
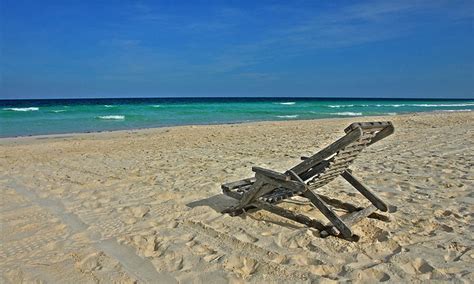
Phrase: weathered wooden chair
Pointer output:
(269, 187)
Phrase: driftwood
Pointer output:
(269, 187)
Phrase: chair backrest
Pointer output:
(327, 164)
(337, 157)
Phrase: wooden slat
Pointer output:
(375, 200)
(233, 194)
(382, 134)
(277, 195)
(368, 125)
(350, 219)
(292, 185)
(328, 151)
(239, 183)
(336, 168)
(345, 159)
(346, 153)
(243, 188)
(248, 196)
(266, 184)
(270, 173)
(313, 171)
(356, 217)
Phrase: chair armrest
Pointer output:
(271, 174)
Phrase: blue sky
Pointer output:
(69, 49)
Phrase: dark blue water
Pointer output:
(35, 117)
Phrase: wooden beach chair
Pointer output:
(269, 187)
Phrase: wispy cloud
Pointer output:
(341, 27)
(301, 30)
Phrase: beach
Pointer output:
(144, 205)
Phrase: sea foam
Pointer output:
(443, 105)
(287, 103)
(456, 110)
(112, 117)
(339, 106)
(347, 113)
(22, 108)
(288, 116)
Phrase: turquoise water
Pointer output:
(35, 117)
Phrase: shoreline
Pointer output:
(167, 128)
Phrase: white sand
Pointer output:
(144, 205)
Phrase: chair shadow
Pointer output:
(217, 202)
(220, 202)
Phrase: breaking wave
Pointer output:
(347, 113)
(339, 106)
(443, 105)
(456, 110)
(288, 116)
(112, 117)
(22, 108)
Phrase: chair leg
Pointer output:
(335, 220)
(353, 218)
(374, 199)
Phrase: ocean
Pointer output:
(38, 117)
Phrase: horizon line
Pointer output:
(230, 97)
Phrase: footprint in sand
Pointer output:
(91, 262)
(304, 260)
(456, 251)
(149, 245)
(422, 266)
(417, 266)
(134, 214)
(242, 266)
(245, 237)
(173, 261)
(371, 275)
(324, 270)
(137, 211)
(208, 254)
